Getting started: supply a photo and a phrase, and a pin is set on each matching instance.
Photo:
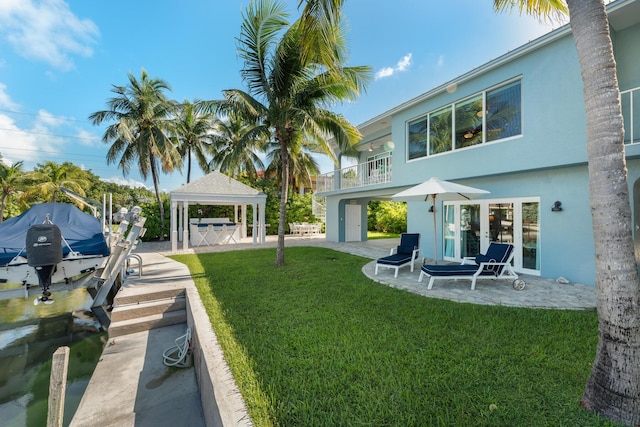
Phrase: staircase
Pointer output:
(140, 311)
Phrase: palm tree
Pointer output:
(302, 165)
(290, 82)
(236, 144)
(613, 389)
(141, 112)
(192, 128)
(47, 178)
(11, 180)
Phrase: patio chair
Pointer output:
(406, 253)
(495, 264)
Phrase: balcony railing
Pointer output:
(373, 172)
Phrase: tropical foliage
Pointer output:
(47, 178)
(11, 184)
(293, 71)
(192, 129)
(141, 114)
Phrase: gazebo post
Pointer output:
(254, 229)
(185, 225)
(174, 226)
(243, 219)
(263, 226)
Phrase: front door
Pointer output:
(353, 223)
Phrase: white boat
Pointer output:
(50, 243)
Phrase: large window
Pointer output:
(488, 116)
(469, 122)
(417, 138)
(440, 131)
(504, 108)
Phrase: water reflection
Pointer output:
(29, 334)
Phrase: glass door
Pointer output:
(471, 227)
(470, 230)
(500, 217)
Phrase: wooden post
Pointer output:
(57, 386)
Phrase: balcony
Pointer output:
(373, 172)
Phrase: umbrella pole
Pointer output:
(435, 240)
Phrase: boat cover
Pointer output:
(82, 231)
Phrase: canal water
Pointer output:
(29, 335)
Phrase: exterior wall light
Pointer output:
(557, 206)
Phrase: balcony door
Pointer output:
(472, 225)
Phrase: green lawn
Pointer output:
(372, 235)
(316, 343)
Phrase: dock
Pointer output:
(131, 385)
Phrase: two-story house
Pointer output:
(514, 126)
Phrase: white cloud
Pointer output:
(43, 139)
(402, 65)
(46, 31)
(5, 99)
(128, 182)
(20, 144)
(384, 72)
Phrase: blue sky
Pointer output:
(60, 58)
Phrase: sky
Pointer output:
(60, 58)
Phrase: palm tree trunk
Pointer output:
(188, 163)
(284, 191)
(156, 186)
(613, 389)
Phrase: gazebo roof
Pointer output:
(217, 188)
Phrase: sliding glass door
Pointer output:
(470, 227)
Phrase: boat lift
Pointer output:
(104, 281)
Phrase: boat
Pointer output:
(50, 243)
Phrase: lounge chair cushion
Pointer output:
(454, 270)
(395, 259)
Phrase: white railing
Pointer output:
(319, 207)
(373, 172)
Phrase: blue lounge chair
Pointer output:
(495, 264)
(406, 253)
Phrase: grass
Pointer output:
(373, 235)
(316, 343)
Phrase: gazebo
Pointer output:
(216, 188)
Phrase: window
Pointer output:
(417, 131)
(469, 122)
(440, 131)
(503, 108)
(488, 116)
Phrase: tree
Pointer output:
(293, 72)
(236, 144)
(302, 165)
(141, 112)
(11, 182)
(192, 128)
(613, 389)
(47, 178)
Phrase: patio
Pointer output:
(539, 292)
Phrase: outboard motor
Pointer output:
(44, 252)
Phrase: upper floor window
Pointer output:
(484, 117)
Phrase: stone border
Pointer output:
(222, 402)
